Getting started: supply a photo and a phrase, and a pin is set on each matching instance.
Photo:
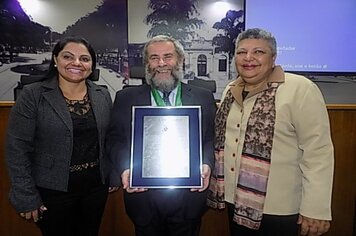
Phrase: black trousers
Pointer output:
(169, 228)
(271, 225)
(77, 212)
(168, 217)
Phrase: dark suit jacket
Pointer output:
(40, 140)
(138, 206)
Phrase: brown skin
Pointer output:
(74, 66)
(255, 61)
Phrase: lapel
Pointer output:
(55, 99)
(97, 101)
(143, 96)
(187, 95)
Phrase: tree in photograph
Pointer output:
(105, 28)
(18, 32)
(232, 25)
(174, 18)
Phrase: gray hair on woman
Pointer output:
(257, 33)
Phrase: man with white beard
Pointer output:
(157, 212)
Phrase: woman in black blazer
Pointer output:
(55, 145)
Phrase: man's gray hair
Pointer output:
(257, 33)
(164, 38)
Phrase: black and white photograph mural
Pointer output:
(29, 30)
(207, 29)
(118, 30)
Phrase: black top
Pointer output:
(85, 174)
(85, 133)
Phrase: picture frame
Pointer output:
(166, 147)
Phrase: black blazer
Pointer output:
(119, 146)
(40, 140)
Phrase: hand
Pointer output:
(35, 214)
(113, 189)
(312, 227)
(125, 179)
(206, 178)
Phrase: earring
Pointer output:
(55, 65)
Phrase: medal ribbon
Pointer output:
(159, 99)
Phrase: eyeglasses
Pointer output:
(166, 58)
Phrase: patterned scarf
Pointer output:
(255, 159)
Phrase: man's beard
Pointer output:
(164, 85)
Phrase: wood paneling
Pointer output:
(10, 224)
(215, 223)
(343, 131)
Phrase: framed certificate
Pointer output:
(166, 148)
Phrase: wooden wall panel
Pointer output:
(10, 224)
(215, 223)
(343, 130)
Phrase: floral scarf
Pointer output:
(251, 187)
